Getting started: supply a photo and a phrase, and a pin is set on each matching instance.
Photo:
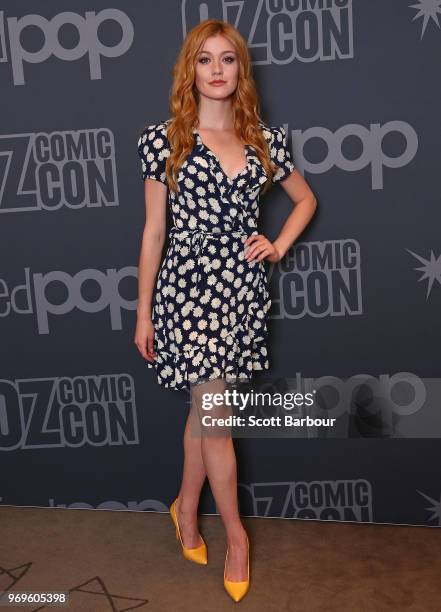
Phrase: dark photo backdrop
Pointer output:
(83, 422)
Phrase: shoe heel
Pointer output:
(197, 555)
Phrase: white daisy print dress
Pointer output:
(210, 305)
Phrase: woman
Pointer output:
(207, 327)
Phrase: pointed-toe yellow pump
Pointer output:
(197, 555)
(237, 590)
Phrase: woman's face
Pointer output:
(217, 68)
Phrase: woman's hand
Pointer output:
(144, 335)
(261, 248)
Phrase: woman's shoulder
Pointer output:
(155, 131)
(153, 149)
(272, 133)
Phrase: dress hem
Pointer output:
(236, 358)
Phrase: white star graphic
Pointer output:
(427, 9)
(431, 269)
(436, 508)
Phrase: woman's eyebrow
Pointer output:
(222, 52)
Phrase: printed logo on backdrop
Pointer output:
(148, 505)
(317, 279)
(431, 269)
(90, 410)
(426, 10)
(354, 148)
(435, 508)
(335, 500)
(16, 34)
(46, 296)
(282, 31)
(68, 169)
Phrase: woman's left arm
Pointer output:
(304, 205)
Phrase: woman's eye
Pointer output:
(229, 59)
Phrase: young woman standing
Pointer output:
(207, 325)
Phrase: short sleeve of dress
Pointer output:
(280, 154)
(153, 151)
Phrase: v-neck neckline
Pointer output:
(230, 179)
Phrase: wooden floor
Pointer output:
(119, 560)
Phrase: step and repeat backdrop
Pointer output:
(355, 302)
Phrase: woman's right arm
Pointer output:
(153, 238)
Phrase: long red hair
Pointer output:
(184, 100)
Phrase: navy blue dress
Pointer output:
(210, 305)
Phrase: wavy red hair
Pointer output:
(184, 100)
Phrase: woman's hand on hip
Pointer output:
(261, 248)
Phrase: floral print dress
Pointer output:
(210, 305)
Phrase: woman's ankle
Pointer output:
(186, 507)
(237, 538)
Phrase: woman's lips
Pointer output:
(217, 83)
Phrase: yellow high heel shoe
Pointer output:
(197, 555)
(237, 590)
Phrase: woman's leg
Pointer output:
(219, 460)
(193, 478)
